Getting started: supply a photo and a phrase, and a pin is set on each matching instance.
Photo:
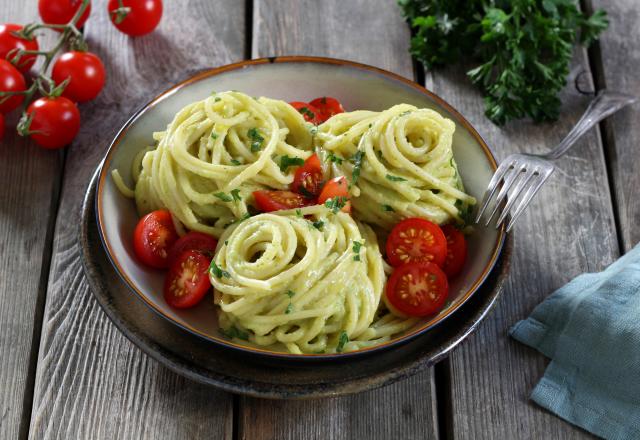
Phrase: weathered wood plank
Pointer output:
(29, 182)
(91, 381)
(567, 230)
(619, 64)
(371, 32)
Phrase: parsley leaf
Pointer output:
(235, 193)
(217, 272)
(335, 159)
(318, 225)
(289, 309)
(395, 178)
(286, 162)
(235, 162)
(256, 139)
(344, 338)
(223, 196)
(336, 204)
(214, 135)
(356, 249)
(306, 112)
(234, 333)
(388, 208)
(299, 212)
(290, 293)
(357, 166)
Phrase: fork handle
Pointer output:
(605, 104)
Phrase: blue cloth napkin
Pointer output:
(590, 328)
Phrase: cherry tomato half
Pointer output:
(188, 280)
(308, 178)
(56, 122)
(153, 237)
(11, 80)
(142, 17)
(309, 112)
(456, 250)
(416, 239)
(268, 201)
(10, 44)
(85, 72)
(327, 107)
(336, 187)
(417, 289)
(193, 241)
(62, 11)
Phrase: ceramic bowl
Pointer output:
(357, 86)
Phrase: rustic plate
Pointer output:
(290, 78)
(207, 362)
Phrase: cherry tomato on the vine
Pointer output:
(55, 123)
(85, 72)
(140, 17)
(11, 80)
(62, 11)
(10, 44)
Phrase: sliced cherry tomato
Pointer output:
(327, 107)
(141, 18)
(309, 112)
(10, 44)
(456, 250)
(153, 237)
(85, 72)
(55, 123)
(188, 280)
(417, 289)
(308, 178)
(268, 201)
(336, 187)
(11, 80)
(193, 241)
(416, 239)
(62, 11)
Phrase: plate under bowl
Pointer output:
(289, 78)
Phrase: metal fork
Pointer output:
(522, 175)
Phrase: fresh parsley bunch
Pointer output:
(524, 48)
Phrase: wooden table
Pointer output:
(66, 372)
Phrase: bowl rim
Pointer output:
(292, 59)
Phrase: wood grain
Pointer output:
(371, 32)
(29, 184)
(92, 382)
(568, 229)
(618, 63)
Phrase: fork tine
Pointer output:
(527, 198)
(504, 191)
(493, 185)
(520, 186)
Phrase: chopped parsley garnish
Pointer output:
(235, 193)
(318, 225)
(356, 249)
(370, 125)
(335, 159)
(289, 309)
(290, 293)
(234, 333)
(235, 162)
(299, 212)
(223, 196)
(308, 113)
(344, 338)
(336, 204)
(214, 135)
(226, 242)
(388, 208)
(217, 272)
(286, 162)
(405, 113)
(256, 139)
(395, 178)
(218, 99)
(357, 165)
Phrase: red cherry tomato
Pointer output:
(11, 80)
(56, 122)
(193, 241)
(309, 112)
(188, 280)
(10, 44)
(268, 201)
(143, 16)
(456, 250)
(417, 289)
(1, 126)
(85, 72)
(327, 107)
(62, 11)
(308, 178)
(416, 239)
(153, 237)
(336, 187)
